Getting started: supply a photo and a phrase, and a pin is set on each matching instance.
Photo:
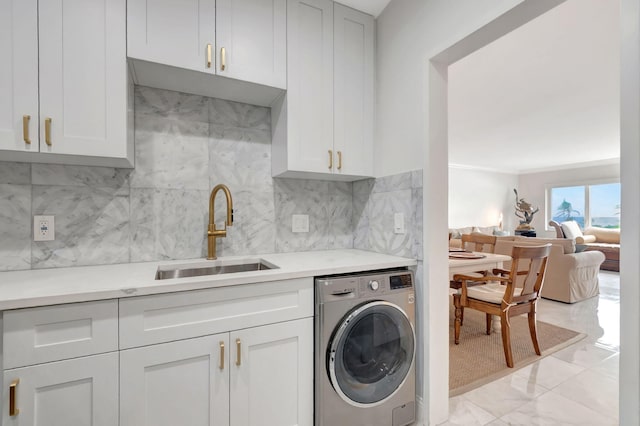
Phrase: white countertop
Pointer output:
(21, 289)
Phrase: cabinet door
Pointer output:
(178, 383)
(79, 392)
(18, 74)
(310, 84)
(253, 34)
(272, 374)
(83, 77)
(173, 32)
(353, 97)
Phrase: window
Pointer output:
(604, 202)
(589, 205)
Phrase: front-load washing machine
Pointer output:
(365, 349)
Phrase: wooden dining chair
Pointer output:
(501, 297)
(479, 242)
(475, 242)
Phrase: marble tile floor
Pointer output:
(575, 386)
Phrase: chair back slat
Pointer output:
(479, 242)
(530, 280)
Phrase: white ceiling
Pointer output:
(545, 96)
(372, 7)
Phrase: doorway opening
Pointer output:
(435, 172)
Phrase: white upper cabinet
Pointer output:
(323, 127)
(251, 41)
(304, 134)
(182, 44)
(83, 77)
(180, 33)
(353, 96)
(64, 84)
(19, 75)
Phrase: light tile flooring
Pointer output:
(575, 386)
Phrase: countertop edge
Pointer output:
(54, 296)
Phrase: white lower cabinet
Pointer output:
(237, 355)
(257, 376)
(272, 375)
(177, 383)
(79, 392)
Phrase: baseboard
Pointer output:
(419, 411)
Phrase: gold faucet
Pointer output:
(212, 232)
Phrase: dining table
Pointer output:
(463, 262)
(474, 261)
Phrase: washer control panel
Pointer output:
(400, 281)
(337, 287)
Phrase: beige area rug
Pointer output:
(479, 359)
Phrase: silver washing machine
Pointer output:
(365, 349)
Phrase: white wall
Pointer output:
(408, 33)
(630, 238)
(532, 186)
(477, 197)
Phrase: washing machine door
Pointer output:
(371, 353)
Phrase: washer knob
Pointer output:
(374, 285)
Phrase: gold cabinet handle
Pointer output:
(339, 160)
(209, 55)
(221, 355)
(330, 159)
(47, 130)
(13, 411)
(223, 59)
(238, 352)
(25, 128)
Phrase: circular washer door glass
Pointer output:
(371, 353)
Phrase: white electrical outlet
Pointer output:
(398, 223)
(300, 223)
(43, 228)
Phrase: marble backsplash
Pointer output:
(185, 145)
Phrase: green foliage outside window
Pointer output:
(565, 210)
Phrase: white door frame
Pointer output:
(629, 374)
(435, 204)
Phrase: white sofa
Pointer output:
(456, 233)
(595, 239)
(570, 277)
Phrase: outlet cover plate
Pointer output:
(398, 223)
(43, 228)
(300, 223)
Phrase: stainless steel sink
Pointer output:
(211, 268)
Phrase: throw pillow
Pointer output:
(585, 239)
(456, 233)
(571, 229)
(487, 230)
(581, 247)
(604, 235)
